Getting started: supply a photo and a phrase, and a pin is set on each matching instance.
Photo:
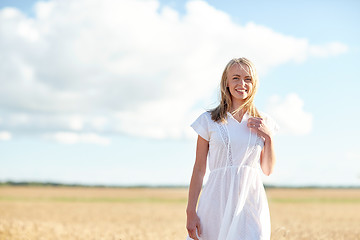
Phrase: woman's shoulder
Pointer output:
(206, 114)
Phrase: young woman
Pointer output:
(238, 143)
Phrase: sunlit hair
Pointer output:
(219, 114)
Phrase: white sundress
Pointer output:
(233, 203)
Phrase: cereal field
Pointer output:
(115, 213)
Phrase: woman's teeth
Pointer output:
(239, 90)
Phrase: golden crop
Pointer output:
(51, 213)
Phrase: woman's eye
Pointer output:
(248, 79)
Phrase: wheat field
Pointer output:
(48, 213)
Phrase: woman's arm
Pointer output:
(267, 157)
(193, 221)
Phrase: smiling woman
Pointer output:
(238, 142)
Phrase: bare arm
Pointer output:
(267, 157)
(193, 222)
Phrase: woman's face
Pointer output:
(239, 82)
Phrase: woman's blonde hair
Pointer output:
(219, 114)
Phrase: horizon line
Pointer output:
(62, 184)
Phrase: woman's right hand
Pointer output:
(193, 225)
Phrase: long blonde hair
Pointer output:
(219, 114)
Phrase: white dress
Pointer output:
(233, 203)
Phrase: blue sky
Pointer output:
(104, 92)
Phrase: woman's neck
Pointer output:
(236, 105)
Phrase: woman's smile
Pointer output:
(241, 90)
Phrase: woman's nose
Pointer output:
(242, 82)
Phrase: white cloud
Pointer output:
(76, 123)
(99, 123)
(290, 115)
(5, 135)
(72, 138)
(158, 119)
(19, 119)
(128, 66)
(329, 49)
(353, 156)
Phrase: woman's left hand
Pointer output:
(259, 126)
